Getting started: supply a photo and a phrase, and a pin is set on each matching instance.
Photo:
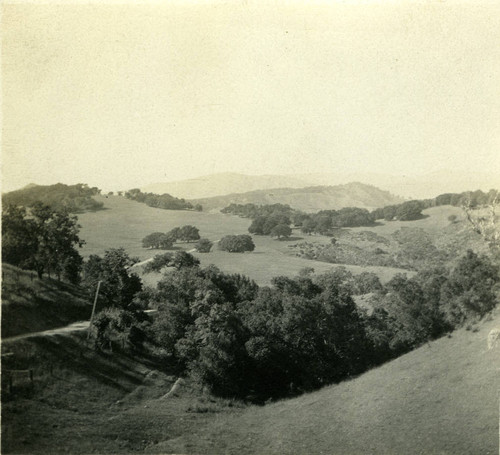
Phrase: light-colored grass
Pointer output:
(125, 223)
(439, 399)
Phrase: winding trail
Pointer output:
(74, 327)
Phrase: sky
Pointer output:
(120, 95)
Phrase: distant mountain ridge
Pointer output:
(309, 199)
(222, 184)
(412, 187)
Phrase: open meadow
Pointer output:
(124, 223)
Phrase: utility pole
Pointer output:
(93, 308)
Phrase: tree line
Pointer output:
(165, 241)
(72, 198)
(161, 201)
(276, 219)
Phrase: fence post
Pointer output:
(31, 376)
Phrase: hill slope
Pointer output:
(31, 305)
(441, 398)
(413, 187)
(223, 183)
(310, 199)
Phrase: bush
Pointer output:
(204, 246)
(236, 243)
(470, 289)
(281, 230)
(158, 240)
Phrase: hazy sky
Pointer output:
(120, 95)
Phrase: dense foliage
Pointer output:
(236, 243)
(42, 239)
(165, 241)
(304, 332)
(203, 246)
(161, 201)
(178, 260)
(118, 285)
(72, 198)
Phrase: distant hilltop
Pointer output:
(406, 186)
(309, 199)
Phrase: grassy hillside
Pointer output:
(309, 199)
(86, 402)
(125, 223)
(439, 399)
(31, 305)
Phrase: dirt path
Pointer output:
(75, 327)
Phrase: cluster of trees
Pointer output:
(275, 220)
(407, 211)
(118, 285)
(304, 332)
(42, 239)
(325, 221)
(266, 217)
(179, 259)
(301, 333)
(412, 210)
(165, 241)
(411, 311)
(161, 201)
(240, 340)
(236, 243)
(119, 318)
(72, 198)
(253, 211)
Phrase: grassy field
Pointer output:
(31, 305)
(439, 399)
(125, 223)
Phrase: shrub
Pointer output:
(204, 246)
(158, 240)
(236, 243)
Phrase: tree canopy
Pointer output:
(236, 243)
(42, 239)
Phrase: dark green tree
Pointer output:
(204, 246)
(236, 243)
(281, 230)
(118, 284)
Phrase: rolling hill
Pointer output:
(223, 183)
(409, 186)
(439, 399)
(309, 199)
